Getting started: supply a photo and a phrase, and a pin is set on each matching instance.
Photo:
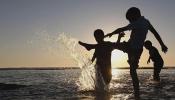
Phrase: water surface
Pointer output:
(62, 84)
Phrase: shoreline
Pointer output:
(64, 68)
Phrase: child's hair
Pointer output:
(147, 43)
(98, 33)
(133, 14)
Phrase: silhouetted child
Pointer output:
(102, 54)
(156, 58)
(139, 27)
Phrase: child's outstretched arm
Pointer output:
(87, 46)
(163, 46)
(117, 31)
(120, 36)
(149, 60)
(93, 58)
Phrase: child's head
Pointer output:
(99, 35)
(133, 14)
(148, 44)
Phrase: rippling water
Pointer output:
(62, 84)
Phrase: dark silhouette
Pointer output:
(156, 58)
(102, 54)
(139, 27)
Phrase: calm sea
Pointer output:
(62, 84)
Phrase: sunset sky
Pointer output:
(23, 22)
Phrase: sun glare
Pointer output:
(115, 72)
(118, 59)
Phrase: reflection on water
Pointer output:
(115, 72)
(61, 84)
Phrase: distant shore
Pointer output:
(64, 68)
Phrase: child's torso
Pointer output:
(155, 56)
(138, 34)
(103, 53)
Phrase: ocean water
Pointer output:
(63, 84)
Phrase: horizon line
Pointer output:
(62, 68)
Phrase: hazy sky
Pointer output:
(21, 20)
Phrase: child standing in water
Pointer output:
(139, 27)
(156, 58)
(102, 54)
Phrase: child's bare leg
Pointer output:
(156, 75)
(135, 79)
(133, 62)
(157, 70)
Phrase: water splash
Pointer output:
(90, 78)
(87, 78)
